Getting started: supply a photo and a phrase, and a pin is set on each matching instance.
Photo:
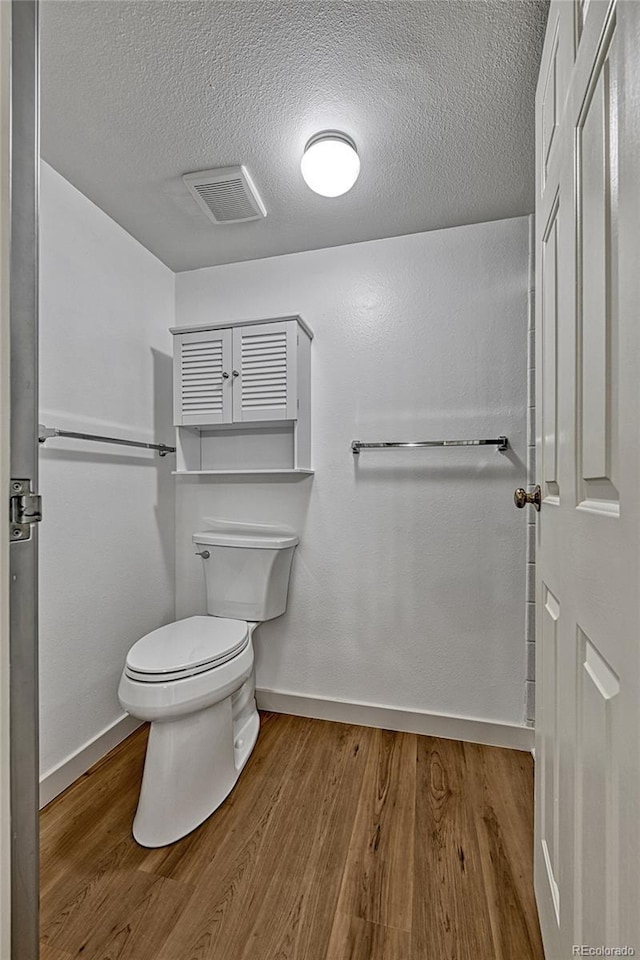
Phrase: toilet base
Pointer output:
(192, 764)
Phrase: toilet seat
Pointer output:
(186, 648)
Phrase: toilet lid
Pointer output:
(187, 647)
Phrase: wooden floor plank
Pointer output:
(94, 815)
(450, 920)
(333, 827)
(301, 846)
(338, 843)
(120, 917)
(378, 878)
(259, 902)
(503, 782)
(50, 953)
(353, 938)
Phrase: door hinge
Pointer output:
(25, 509)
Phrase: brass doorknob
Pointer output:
(521, 498)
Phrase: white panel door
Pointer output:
(587, 838)
(265, 371)
(202, 378)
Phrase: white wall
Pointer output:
(106, 542)
(408, 584)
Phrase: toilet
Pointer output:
(193, 680)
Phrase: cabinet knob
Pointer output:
(235, 373)
(225, 375)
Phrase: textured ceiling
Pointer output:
(437, 94)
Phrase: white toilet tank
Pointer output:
(247, 569)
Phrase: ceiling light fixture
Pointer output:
(330, 163)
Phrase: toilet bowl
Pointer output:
(193, 680)
(204, 721)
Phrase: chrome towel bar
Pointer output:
(502, 443)
(46, 433)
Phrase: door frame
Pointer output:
(5, 194)
(20, 328)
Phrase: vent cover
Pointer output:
(226, 195)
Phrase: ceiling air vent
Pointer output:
(226, 195)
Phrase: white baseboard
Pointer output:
(444, 725)
(391, 718)
(54, 781)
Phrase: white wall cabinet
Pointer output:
(242, 397)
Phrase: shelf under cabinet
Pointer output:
(292, 472)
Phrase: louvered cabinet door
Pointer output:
(265, 371)
(203, 378)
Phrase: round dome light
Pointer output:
(330, 164)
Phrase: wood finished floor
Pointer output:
(338, 843)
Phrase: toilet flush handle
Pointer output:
(203, 553)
